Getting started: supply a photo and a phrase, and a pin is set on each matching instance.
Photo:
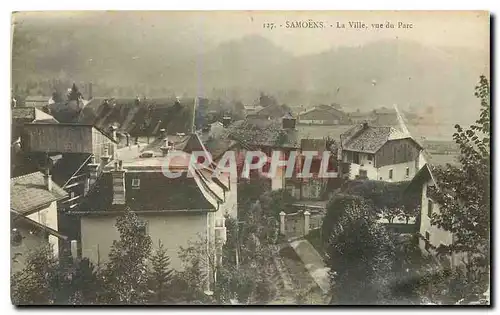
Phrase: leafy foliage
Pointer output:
(126, 272)
(387, 199)
(161, 275)
(45, 281)
(463, 193)
(360, 253)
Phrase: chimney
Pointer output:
(226, 121)
(288, 122)
(93, 169)
(163, 133)
(167, 146)
(118, 175)
(105, 158)
(90, 91)
(47, 180)
(113, 132)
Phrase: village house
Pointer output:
(280, 137)
(323, 115)
(359, 117)
(34, 216)
(175, 211)
(379, 153)
(66, 150)
(425, 178)
(273, 111)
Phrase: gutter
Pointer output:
(114, 212)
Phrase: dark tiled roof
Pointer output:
(156, 193)
(24, 113)
(145, 117)
(217, 147)
(28, 192)
(324, 112)
(369, 139)
(262, 132)
(274, 111)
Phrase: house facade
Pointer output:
(176, 211)
(379, 153)
(323, 115)
(34, 215)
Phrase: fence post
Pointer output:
(282, 222)
(307, 215)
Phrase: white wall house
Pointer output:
(380, 153)
(176, 211)
(33, 215)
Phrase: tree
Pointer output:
(74, 94)
(267, 100)
(361, 253)
(44, 281)
(161, 276)
(32, 285)
(335, 210)
(125, 274)
(463, 193)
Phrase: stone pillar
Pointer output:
(282, 222)
(307, 215)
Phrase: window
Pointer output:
(144, 227)
(136, 183)
(370, 157)
(355, 158)
(363, 174)
(407, 172)
(390, 174)
(429, 208)
(427, 241)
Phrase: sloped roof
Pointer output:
(324, 112)
(17, 218)
(262, 132)
(274, 111)
(30, 114)
(369, 138)
(198, 192)
(157, 193)
(140, 117)
(29, 192)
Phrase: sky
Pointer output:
(433, 28)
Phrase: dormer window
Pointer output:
(136, 183)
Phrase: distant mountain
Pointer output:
(377, 74)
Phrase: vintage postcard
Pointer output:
(250, 158)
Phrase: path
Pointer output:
(313, 263)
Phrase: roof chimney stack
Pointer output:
(113, 132)
(47, 178)
(118, 175)
(105, 158)
(167, 146)
(226, 121)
